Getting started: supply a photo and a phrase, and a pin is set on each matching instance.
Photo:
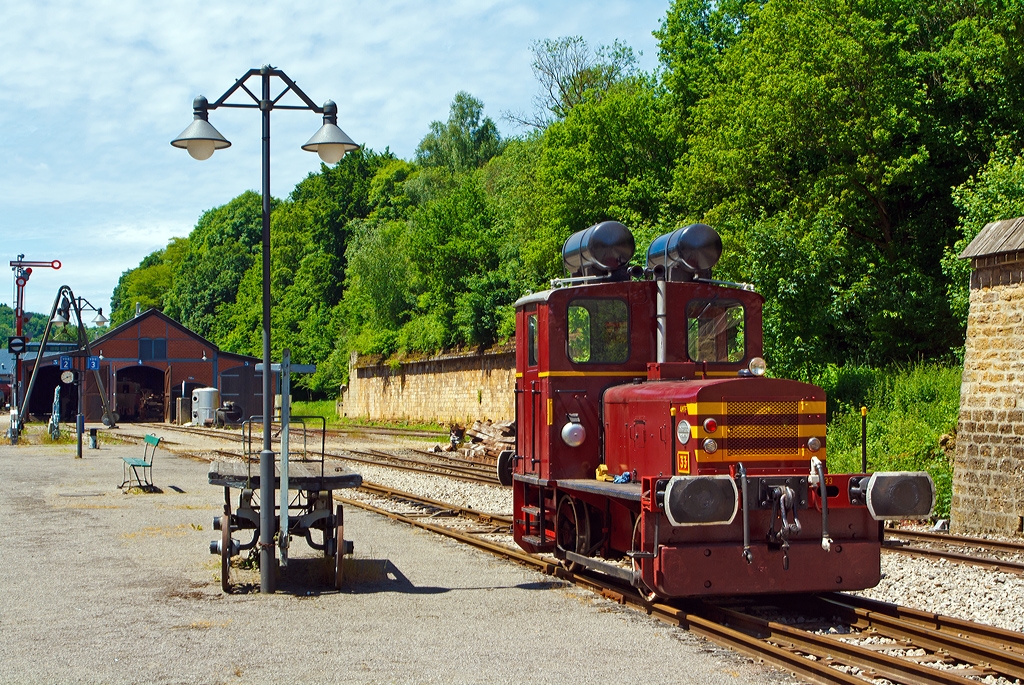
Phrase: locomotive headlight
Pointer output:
(683, 429)
(757, 366)
(710, 446)
(573, 434)
(813, 444)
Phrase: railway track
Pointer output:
(873, 639)
(851, 640)
(957, 549)
(438, 465)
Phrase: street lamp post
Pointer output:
(201, 139)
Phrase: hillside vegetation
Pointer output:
(846, 151)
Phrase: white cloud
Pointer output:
(92, 93)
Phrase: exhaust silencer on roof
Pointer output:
(686, 253)
(604, 249)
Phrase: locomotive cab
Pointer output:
(651, 446)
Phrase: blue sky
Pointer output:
(92, 93)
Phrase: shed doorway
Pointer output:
(139, 394)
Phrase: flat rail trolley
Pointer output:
(310, 511)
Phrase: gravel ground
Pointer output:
(958, 590)
(952, 589)
(102, 586)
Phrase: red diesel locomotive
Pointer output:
(652, 447)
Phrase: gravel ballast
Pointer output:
(113, 587)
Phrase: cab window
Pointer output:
(598, 331)
(715, 331)
(531, 339)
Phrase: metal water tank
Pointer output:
(204, 405)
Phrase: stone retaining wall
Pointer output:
(458, 388)
(988, 476)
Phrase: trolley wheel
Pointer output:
(572, 530)
(225, 549)
(339, 548)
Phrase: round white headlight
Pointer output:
(813, 444)
(757, 366)
(573, 434)
(710, 446)
(683, 432)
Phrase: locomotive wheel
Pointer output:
(339, 548)
(225, 549)
(505, 465)
(572, 530)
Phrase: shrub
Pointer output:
(909, 410)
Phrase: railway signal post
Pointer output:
(22, 271)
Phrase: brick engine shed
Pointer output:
(988, 473)
(147, 363)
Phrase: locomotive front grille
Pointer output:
(765, 430)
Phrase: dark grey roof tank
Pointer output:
(600, 250)
(686, 253)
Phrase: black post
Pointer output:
(863, 439)
(267, 552)
(16, 400)
(80, 418)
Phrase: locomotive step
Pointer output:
(536, 541)
(530, 510)
(628, 575)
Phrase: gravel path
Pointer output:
(952, 589)
(102, 586)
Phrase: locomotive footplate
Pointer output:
(627, 491)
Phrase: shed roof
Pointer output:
(126, 326)
(152, 312)
(996, 238)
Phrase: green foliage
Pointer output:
(32, 325)
(910, 409)
(466, 141)
(820, 137)
(996, 193)
(325, 408)
(332, 198)
(223, 246)
(609, 159)
(147, 284)
(691, 40)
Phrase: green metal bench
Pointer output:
(132, 465)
